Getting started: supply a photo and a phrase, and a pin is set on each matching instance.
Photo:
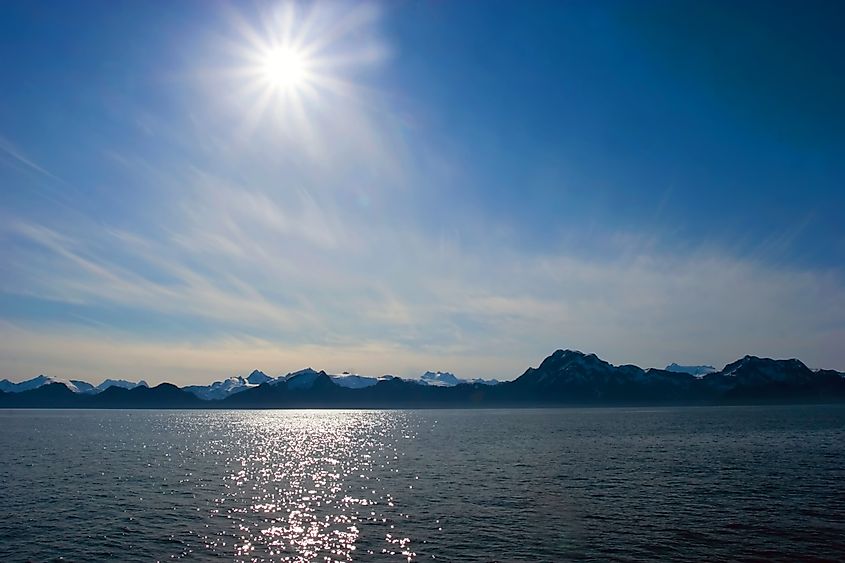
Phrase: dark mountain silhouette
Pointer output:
(567, 377)
(163, 396)
(307, 389)
(764, 379)
(52, 395)
(571, 377)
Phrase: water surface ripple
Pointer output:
(721, 483)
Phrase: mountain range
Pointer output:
(75, 385)
(567, 377)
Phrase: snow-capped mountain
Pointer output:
(34, 383)
(258, 377)
(83, 387)
(74, 385)
(120, 383)
(567, 377)
(302, 379)
(353, 380)
(231, 385)
(220, 389)
(440, 379)
(698, 371)
(446, 379)
(484, 381)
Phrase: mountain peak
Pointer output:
(301, 371)
(258, 377)
(304, 378)
(446, 379)
(122, 383)
(567, 352)
(572, 368)
(754, 369)
(442, 378)
(756, 361)
(575, 357)
(564, 377)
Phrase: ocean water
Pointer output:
(695, 484)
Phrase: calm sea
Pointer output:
(696, 484)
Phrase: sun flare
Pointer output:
(298, 63)
(285, 68)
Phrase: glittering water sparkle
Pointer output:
(549, 485)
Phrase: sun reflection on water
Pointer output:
(303, 485)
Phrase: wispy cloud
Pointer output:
(478, 313)
(10, 150)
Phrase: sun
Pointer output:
(292, 63)
(285, 68)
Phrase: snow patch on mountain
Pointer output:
(83, 387)
(120, 383)
(446, 379)
(353, 380)
(258, 377)
(698, 371)
(440, 379)
(28, 385)
(480, 381)
(221, 389)
(74, 385)
(302, 379)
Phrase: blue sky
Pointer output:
(454, 185)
